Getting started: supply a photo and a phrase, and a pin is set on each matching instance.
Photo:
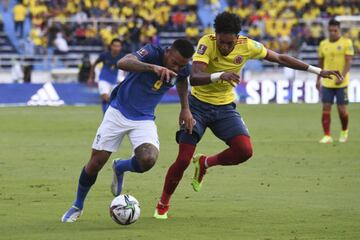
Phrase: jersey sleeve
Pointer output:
(203, 50)
(146, 53)
(349, 49)
(256, 49)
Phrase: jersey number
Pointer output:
(157, 85)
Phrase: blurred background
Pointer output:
(54, 42)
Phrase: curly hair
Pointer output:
(226, 22)
(184, 47)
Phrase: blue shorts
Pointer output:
(223, 120)
(328, 95)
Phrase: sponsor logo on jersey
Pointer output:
(258, 45)
(142, 52)
(202, 49)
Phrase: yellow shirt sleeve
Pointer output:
(203, 49)
(256, 49)
(349, 50)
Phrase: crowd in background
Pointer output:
(282, 25)
(132, 21)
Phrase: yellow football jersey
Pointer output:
(333, 54)
(221, 92)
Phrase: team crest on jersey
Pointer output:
(257, 45)
(202, 49)
(238, 59)
(142, 52)
(339, 48)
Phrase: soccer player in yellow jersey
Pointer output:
(215, 72)
(335, 53)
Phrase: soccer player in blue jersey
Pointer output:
(109, 72)
(152, 71)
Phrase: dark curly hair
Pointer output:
(226, 22)
(184, 47)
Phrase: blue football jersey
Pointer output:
(137, 96)
(109, 71)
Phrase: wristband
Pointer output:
(313, 69)
(215, 76)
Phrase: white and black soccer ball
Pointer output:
(125, 209)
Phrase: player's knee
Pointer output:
(97, 161)
(242, 148)
(146, 155)
(246, 153)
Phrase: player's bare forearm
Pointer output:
(185, 117)
(286, 60)
(182, 89)
(130, 63)
(348, 61)
(321, 65)
(198, 75)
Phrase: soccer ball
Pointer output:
(125, 209)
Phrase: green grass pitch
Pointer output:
(292, 188)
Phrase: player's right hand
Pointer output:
(231, 78)
(164, 73)
(329, 73)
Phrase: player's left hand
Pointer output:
(187, 119)
(328, 74)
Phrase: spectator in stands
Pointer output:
(61, 45)
(254, 32)
(84, 69)
(20, 13)
(80, 16)
(80, 34)
(37, 38)
(17, 74)
(316, 34)
(178, 19)
(357, 44)
(192, 33)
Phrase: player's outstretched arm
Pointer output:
(185, 116)
(294, 63)
(198, 75)
(131, 63)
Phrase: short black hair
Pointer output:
(334, 22)
(226, 22)
(115, 40)
(184, 47)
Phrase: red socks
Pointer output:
(325, 120)
(176, 171)
(344, 118)
(240, 150)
